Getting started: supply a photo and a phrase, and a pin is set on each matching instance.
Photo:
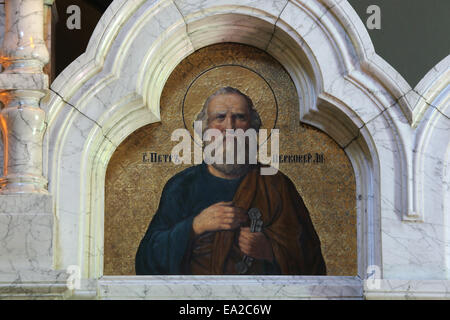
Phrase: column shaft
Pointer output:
(22, 85)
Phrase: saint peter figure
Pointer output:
(202, 225)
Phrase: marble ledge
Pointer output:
(229, 287)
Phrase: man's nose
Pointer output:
(230, 123)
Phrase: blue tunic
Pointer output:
(185, 195)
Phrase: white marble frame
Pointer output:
(345, 89)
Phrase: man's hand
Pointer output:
(255, 245)
(219, 216)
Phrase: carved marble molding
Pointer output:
(396, 137)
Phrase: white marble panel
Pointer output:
(26, 233)
(407, 289)
(413, 250)
(26, 241)
(400, 259)
(431, 158)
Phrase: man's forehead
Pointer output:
(225, 109)
(228, 102)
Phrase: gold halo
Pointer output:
(240, 77)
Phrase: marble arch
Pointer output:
(346, 90)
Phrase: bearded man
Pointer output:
(202, 223)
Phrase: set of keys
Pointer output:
(256, 225)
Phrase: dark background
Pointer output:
(413, 38)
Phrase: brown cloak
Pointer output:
(287, 224)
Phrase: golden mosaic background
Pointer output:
(133, 187)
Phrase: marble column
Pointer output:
(22, 85)
(26, 213)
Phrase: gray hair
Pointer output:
(255, 120)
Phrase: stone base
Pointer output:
(26, 234)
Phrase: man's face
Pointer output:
(228, 111)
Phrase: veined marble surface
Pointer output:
(344, 80)
(229, 287)
(407, 290)
(397, 137)
(23, 44)
(26, 235)
(33, 81)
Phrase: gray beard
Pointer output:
(236, 170)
